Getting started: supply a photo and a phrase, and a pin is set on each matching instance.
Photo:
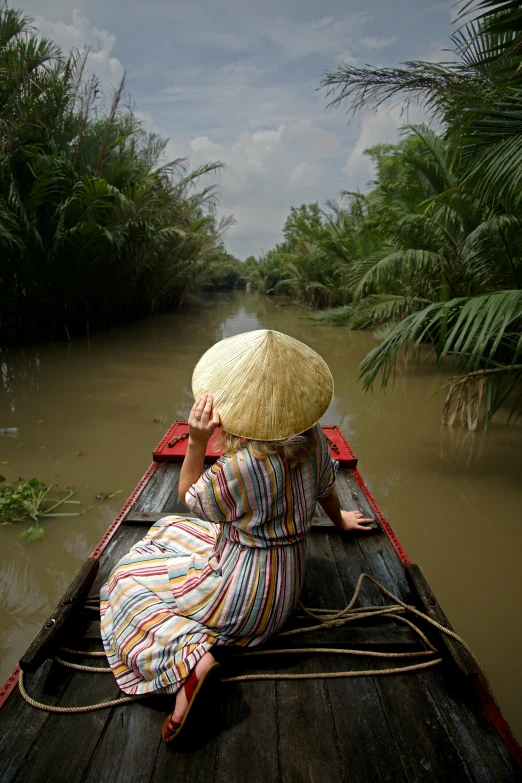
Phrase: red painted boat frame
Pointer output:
(490, 706)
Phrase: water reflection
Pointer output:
(91, 412)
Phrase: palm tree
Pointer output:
(94, 226)
(466, 260)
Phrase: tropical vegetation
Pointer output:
(33, 501)
(96, 227)
(432, 254)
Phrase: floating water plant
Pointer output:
(32, 501)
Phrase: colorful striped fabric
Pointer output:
(232, 578)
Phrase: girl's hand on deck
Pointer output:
(203, 419)
(355, 520)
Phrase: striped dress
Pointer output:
(231, 575)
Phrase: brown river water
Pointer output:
(89, 414)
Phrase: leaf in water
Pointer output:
(32, 535)
(3, 524)
(113, 494)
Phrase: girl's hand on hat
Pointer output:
(355, 521)
(203, 420)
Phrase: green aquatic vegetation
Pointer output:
(33, 501)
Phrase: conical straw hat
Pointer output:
(266, 385)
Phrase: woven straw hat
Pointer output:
(266, 385)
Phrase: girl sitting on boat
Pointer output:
(233, 573)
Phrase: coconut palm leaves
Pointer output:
(450, 219)
(480, 336)
(94, 227)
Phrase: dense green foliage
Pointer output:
(433, 252)
(226, 272)
(94, 227)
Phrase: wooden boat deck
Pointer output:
(422, 726)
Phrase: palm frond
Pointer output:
(470, 332)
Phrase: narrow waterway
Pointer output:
(89, 414)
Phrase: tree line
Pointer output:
(432, 253)
(95, 226)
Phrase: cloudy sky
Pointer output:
(237, 81)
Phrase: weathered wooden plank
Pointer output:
(349, 554)
(428, 604)
(157, 491)
(248, 747)
(56, 624)
(85, 632)
(384, 565)
(127, 750)
(142, 518)
(360, 636)
(184, 764)
(353, 498)
(173, 504)
(308, 747)
(366, 746)
(354, 702)
(20, 724)
(193, 758)
(478, 742)
(66, 743)
(404, 699)
(426, 747)
(378, 554)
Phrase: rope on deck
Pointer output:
(88, 708)
(327, 618)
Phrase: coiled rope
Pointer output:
(326, 618)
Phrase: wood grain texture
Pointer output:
(128, 745)
(308, 743)
(66, 744)
(20, 724)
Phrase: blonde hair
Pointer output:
(295, 449)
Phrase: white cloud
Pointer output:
(221, 39)
(328, 36)
(380, 127)
(268, 170)
(202, 145)
(80, 34)
(378, 43)
(305, 174)
(438, 52)
(347, 57)
(146, 119)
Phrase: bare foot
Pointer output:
(181, 700)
